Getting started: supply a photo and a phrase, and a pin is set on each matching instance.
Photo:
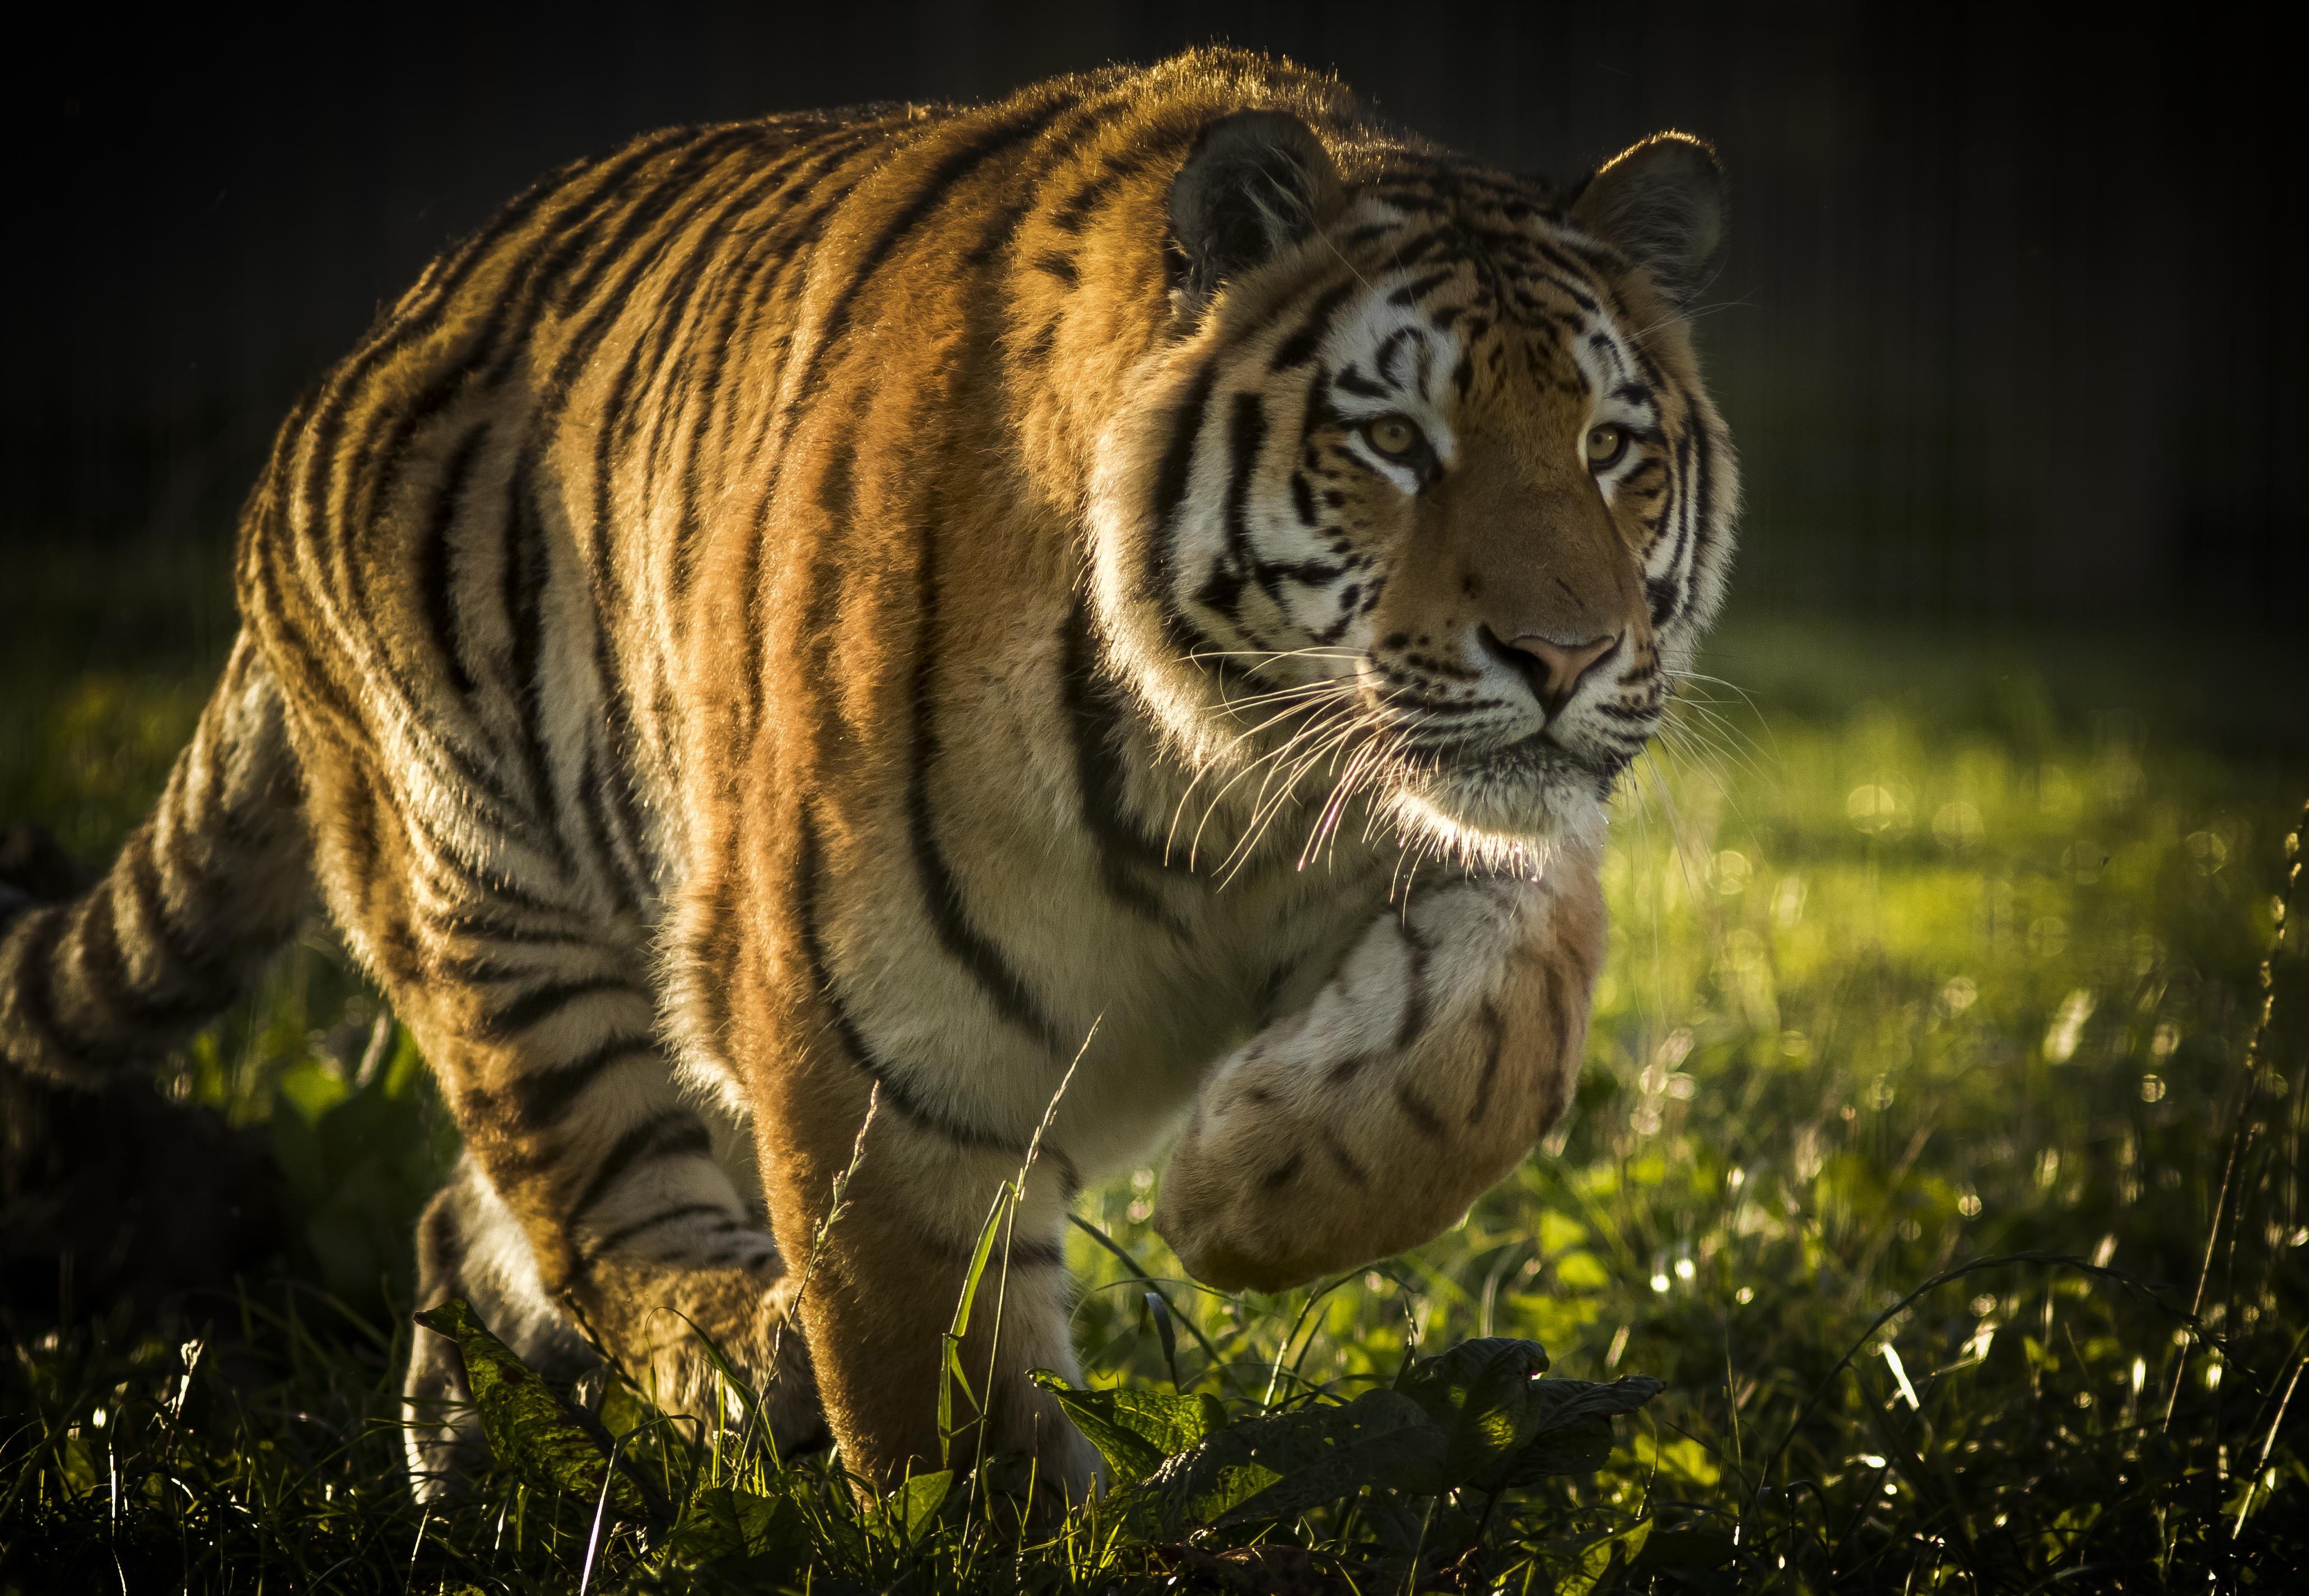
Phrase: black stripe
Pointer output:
(1702, 505)
(438, 572)
(1246, 436)
(1414, 1002)
(1092, 714)
(1307, 339)
(610, 859)
(676, 1132)
(1074, 215)
(527, 573)
(1170, 492)
(1029, 1255)
(1383, 359)
(150, 1016)
(194, 963)
(1413, 290)
(532, 1006)
(845, 1025)
(478, 969)
(473, 918)
(1019, 1254)
(1495, 1040)
(1004, 986)
(1567, 1017)
(441, 1243)
(624, 1233)
(1419, 1111)
(1337, 1151)
(542, 1098)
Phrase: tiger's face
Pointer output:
(1442, 507)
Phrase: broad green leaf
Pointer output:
(1410, 1460)
(1601, 1555)
(915, 1503)
(1382, 1437)
(622, 1409)
(1572, 1433)
(1580, 1448)
(548, 1442)
(1135, 1430)
(1484, 1395)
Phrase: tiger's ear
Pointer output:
(1255, 184)
(1661, 204)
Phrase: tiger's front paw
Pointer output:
(1237, 1226)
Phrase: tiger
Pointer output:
(832, 664)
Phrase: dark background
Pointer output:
(2009, 324)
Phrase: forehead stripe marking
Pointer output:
(1419, 287)
(1302, 344)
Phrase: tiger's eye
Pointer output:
(1395, 436)
(1605, 444)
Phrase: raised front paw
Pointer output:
(1258, 1218)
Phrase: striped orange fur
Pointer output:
(858, 600)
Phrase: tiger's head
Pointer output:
(1423, 498)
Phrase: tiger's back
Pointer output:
(792, 615)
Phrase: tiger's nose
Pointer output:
(1559, 665)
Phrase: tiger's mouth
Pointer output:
(1488, 777)
(1513, 782)
(1484, 733)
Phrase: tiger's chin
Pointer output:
(1501, 816)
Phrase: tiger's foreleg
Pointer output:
(887, 1272)
(1368, 1121)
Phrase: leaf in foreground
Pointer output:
(1135, 1430)
(1477, 1415)
(532, 1429)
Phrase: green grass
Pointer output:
(1918, 1080)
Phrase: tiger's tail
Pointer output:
(205, 889)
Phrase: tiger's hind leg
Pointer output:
(597, 1206)
(529, 997)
